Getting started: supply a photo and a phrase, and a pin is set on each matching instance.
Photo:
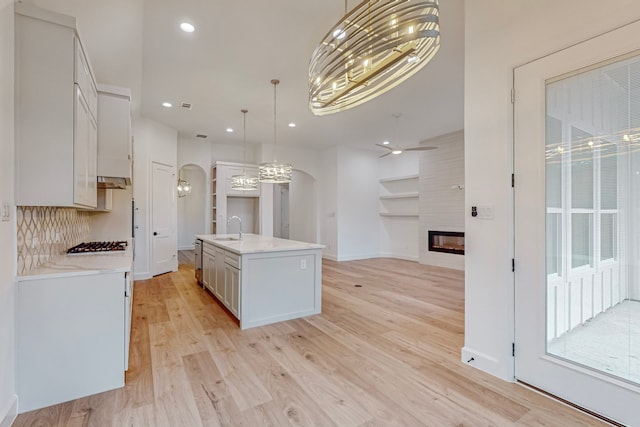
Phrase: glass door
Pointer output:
(577, 224)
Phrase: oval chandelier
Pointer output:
(275, 172)
(372, 49)
(244, 182)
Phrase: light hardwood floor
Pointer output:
(384, 352)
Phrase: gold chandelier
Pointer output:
(244, 182)
(372, 49)
(275, 172)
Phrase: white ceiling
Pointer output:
(237, 48)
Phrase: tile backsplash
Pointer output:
(45, 232)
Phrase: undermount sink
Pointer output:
(225, 239)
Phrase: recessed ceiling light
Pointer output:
(292, 125)
(167, 104)
(187, 27)
(229, 130)
(385, 142)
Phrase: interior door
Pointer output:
(163, 220)
(577, 204)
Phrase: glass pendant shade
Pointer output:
(184, 188)
(275, 172)
(244, 182)
(373, 48)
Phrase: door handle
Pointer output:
(155, 233)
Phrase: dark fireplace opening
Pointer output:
(451, 242)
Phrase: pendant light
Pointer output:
(274, 172)
(373, 48)
(244, 182)
(184, 187)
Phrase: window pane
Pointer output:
(609, 176)
(554, 168)
(554, 235)
(607, 236)
(580, 239)
(581, 169)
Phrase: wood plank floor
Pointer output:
(384, 352)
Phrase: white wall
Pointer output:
(328, 206)
(303, 208)
(153, 142)
(358, 202)
(8, 408)
(441, 206)
(192, 207)
(499, 36)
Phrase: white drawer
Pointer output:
(208, 249)
(232, 259)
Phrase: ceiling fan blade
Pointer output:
(420, 148)
(384, 155)
(385, 146)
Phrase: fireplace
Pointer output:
(451, 242)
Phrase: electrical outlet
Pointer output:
(303, 264)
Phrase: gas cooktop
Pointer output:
(89, 248)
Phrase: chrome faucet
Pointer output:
(240, 222)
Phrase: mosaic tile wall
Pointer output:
(45, 232)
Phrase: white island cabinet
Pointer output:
(263, 280)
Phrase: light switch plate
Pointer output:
(6, 212)
(485, 212)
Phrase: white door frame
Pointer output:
(603, 394)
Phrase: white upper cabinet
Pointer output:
(56, 112)
(114, 132)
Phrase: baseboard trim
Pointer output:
(11, 414)
(142, 276)
(488, 364)
(186, 248)
(358, 257)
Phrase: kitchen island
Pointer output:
(262, 280)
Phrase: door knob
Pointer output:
(155, 233)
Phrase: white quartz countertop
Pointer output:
(82, 265)
(252, 243)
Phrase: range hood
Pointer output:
(113, 183)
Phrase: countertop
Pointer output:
(252, 243)
(82, 265)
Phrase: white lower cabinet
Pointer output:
(208, 268)
(71, 337)
(219, 288)
(232, 288)
(222, 276)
